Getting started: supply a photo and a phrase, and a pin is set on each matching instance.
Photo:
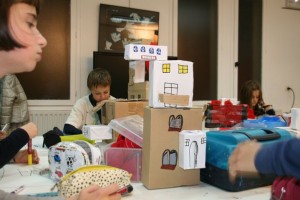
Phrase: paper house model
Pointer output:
(145, 52)
(171, 84)
(192, 149)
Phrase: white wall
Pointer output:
(281, 54)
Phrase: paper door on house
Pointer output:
(171, 84)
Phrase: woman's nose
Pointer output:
(42, 40)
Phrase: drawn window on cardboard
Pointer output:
(175, 124)
(170, 89)
(183, 69)
(166, 68)
(169, 159)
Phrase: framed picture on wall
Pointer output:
(119, 26)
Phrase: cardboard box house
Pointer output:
(138, 91)
(171, 84)
(160, 163)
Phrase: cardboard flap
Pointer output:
(99, 106)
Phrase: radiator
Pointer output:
(46, 120)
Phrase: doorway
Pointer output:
(197, 42)
(249, 41)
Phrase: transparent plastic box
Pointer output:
(130, 127)
(128, 159)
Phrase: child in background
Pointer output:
(251, 94)
(84, 112)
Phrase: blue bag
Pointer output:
(219, 146)
(265, 122)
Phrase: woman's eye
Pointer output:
(30, 24)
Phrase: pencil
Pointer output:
(29, 152)
(4, 127)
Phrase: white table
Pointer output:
(15, 175)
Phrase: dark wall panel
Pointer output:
(250, 41)
(197, 42)
(51, 78)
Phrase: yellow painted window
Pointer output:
(183, 69)
(166, 68)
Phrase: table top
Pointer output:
(13, 176)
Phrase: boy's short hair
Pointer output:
(7, 42)
(98, 76)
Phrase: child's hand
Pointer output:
(94, 192)
(22, 156)
(2, 135)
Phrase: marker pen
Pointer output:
(29, 152)
(18, 190)
(125, 190)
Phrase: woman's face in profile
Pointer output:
(23, 28)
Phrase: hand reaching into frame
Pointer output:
(241, 161)
(94, 192)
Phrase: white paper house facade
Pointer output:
(171, 84)
(145, 52)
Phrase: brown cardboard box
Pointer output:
(114, 109)
(121, 108)
(161, 144)
(139, 91)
